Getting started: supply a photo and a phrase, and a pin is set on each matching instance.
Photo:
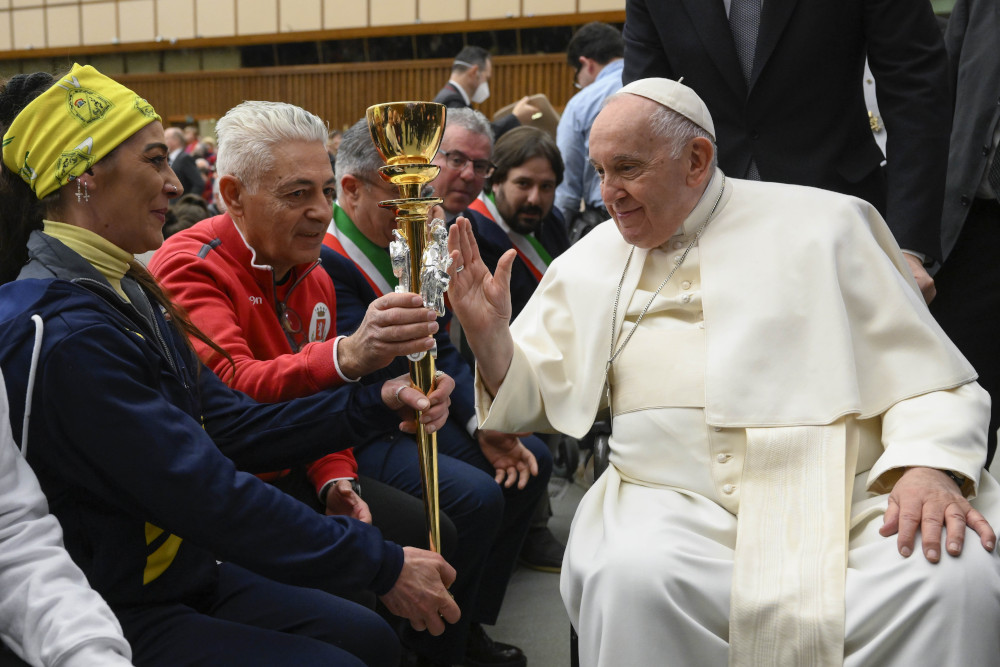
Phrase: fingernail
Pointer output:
(905, 552)
(423, 404)
(953, 546)
(932, 554)
(989, 546)
(429, 428)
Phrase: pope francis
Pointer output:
(782, 403)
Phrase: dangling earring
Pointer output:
(81, 191)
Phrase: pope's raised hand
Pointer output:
(481, 302)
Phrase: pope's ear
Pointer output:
(701, 153)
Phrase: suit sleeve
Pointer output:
(644, 53)
(907, 56)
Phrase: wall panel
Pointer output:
(99, 21)
(345, 14)
(175, 19)
(29, 28)
(136, 21)
(215, 18)
(256, 16)
(299, 15)
(493, 9)
(392, 12)
(340, 93)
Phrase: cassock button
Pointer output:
(678, 245)
(686, 284)
(722, 458)
(716, 428)
(728, 488)
(686, 298)
(701, 325)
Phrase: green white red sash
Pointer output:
(528, 248)
(376, 266)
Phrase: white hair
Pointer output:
(249, 131)
(676, 128)
(471, 120)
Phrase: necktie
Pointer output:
(744, 21)
(993, 175)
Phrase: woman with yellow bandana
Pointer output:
(129, 435)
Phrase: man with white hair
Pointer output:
(251, 280)
(775, 389)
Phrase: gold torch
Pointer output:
(407, 136)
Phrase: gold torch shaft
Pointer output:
(407, 136)
(422, 371)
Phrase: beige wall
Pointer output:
(39, 24)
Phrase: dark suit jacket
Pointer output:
(354, 293)
(803, 117)
(451, 98)
(971, 38)
(494, 242)
(188, 174)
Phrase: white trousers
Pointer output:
(647, 577)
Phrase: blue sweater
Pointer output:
(134, 443)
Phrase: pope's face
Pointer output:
(646, 190)
(526, 195)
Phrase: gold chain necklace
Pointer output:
(614, 354)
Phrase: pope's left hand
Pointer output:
(926, 498)
(512, 461)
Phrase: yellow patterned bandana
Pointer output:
(69, 127)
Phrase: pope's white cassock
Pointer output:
(765, 405)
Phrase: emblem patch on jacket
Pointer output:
(319, 324)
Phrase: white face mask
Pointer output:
(481, 93)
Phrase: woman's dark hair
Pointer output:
(22, 213)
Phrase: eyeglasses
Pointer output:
(457, 160)
(576, 78)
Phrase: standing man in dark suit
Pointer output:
(788, 103)
(968, 301)
(470, 84)
(182, 163)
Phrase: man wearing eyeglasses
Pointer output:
(596, 54)
(464, 158)
(489, 483)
